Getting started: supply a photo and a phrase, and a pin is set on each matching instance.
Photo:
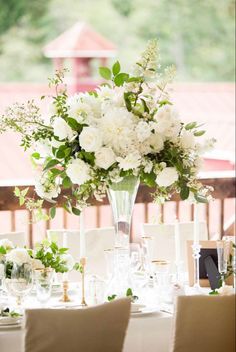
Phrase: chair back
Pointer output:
(17, 238)
(162, 240)
(204, 324)
(96, 329)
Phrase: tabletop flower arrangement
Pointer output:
(128, 126)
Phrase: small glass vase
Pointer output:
(122, 198)
(43, 283)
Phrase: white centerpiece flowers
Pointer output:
(128, 126)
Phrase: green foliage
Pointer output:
(105, 72)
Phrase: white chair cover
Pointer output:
(96, 241)
(17, 238)
(162, 243)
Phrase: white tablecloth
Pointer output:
(146, 333)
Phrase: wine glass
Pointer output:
(43, 283)
(223, 255)
(19, 281)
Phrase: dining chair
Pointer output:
(97, 329)
(204, 324)
(17, 238)
(161, 242)
(96, 241)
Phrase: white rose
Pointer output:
(187, 140)
(61, 129)
(143, 131)
(69, 261)
(90, 139)
(78, 171)
(104, 158)
(5, 243)
(43, 147)
(167, 177)
(131, 161)
(19, 256)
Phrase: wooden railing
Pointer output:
(222, 182)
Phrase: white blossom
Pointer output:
(143, 131)
(6, 243)
(104, 158)
(69, 261)
(78, 171)
(187, 140)
(46, 187)
(131, 161)
(61, 129)
(167, 177)
(90, 139)
(19, 256)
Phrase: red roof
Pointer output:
(210, 103)
(80, 41)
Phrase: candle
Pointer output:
(196, 224)
(65, 240)
(82, 236)
(177, 241)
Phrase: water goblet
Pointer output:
(43, 284)
(223, 249)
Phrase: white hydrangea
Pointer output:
(78, 171)
(148, 165)
(156, 142)
(90, 139)
(19, 256)
(131, 161)
(6, 243)
(69, 261)
(167, 177)
(104, 158)
(168, 123)
(143, 131)
(61, 129)
(46, 188)
(187, 140)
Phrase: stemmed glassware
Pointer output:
(19, 282)
(223, 249)
(43, 283)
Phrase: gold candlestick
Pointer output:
(65, 286)
(83, 263)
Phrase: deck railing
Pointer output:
(224, 194)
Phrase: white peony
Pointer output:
(78, 171)
(90, 139)
(143, 131)
(46, 188)
(5, 243)
(62, 130)
(104, 158)
(77, 109)
(168, 123)
(187, 140)
(131, 161)
(69, 261)
(167, 177)
(19, 256)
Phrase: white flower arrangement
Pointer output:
(18, 256)
(128, 126)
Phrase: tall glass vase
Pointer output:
(122, 198)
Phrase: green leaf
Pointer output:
(116, 68)
(51, 163)
(66, 182)
(145, 105)
(55, 172)
(184, 193)
(17, 192)
(105, 72)
(21, 200)
(76, 211)
(111, 298)
(164, 102)
(149, 179)
(3, 250)
(52, 212)
(191, 125)
(120, 79)
(134, 79)
(74, 124)
(36, 156)
(129, 292)
(127, 101)
(60, 154)
(199, 133)
(24, 191)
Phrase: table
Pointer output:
(146, 333)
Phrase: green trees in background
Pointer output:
(196, 35)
